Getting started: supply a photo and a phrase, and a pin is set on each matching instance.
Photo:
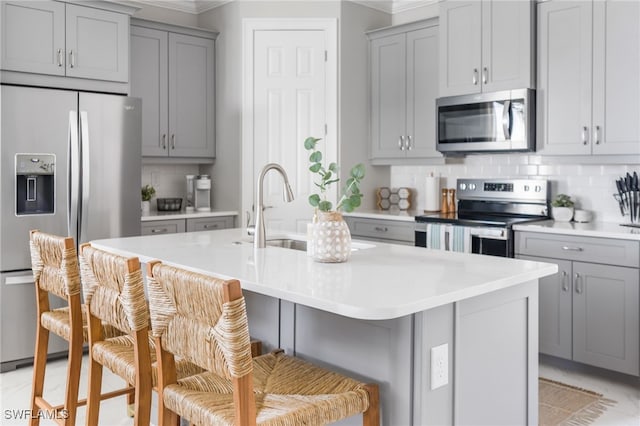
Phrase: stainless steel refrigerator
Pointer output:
(70, 165)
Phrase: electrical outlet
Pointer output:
(439, 366)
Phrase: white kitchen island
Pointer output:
(377, 316)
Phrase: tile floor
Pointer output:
(15, 389)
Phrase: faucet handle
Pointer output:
(251, 229)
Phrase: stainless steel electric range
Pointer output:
(487, 209)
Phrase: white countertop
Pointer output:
(381, 281)
(156, 215)
(401, 215)
(590, 229)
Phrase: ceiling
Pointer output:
(199, 6)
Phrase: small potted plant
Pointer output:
(148, 192)
(562, 208)
(329, 236)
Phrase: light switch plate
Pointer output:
(439, 366)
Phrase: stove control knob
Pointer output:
(538, 188)
(526, 188)
(472, 186)
(463, 186)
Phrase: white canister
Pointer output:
(431, 194)
(582, 216)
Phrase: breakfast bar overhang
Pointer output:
(379, 315)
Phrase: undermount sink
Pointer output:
(288, 243)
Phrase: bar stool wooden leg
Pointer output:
(371, 417)
(74, 365)
(39, 367)
(131, 404)
(95, 374)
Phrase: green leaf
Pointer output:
(314, 200)
(310, 143)
(346, 205)
(355, 200)
(325, 206)
(315, 157)
(327, 176)
(315, 168)
(331, 181)
(333, 167)
(350, 181)
(357, 171)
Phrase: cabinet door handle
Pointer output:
(401, 143)
(381, 228)
(565, 282)
(475, 76)
(485, 75)
(159, 230)
(59, 57)
(585, 135)
(568, 248)
(210, 226)
(164, 141)
(173, 141)
(578, 281)
(409, 143)
(596, 135)
(72, 62)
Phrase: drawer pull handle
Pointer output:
(567, 248)
(211, 226)
(381, 228)
(159, 230)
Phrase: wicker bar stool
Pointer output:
(114, 295)
(55, 271)
(204, 319)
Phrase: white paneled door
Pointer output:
(289, 104)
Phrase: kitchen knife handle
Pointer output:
(585, 135)
(596, 135)
(565, 283)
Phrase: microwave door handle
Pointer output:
(506, 120)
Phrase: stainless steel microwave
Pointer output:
(487, 122)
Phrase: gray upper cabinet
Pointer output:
(486, 46)
(403, 92)
(47, 37)
(589, 60)
(174, 75)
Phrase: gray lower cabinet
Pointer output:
(172, 226)
(589, 311)
(387, 231)
(157, 227)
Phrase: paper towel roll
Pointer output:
(432, 194)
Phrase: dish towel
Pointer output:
(436, 236)
(460, 237)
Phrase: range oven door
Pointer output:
(484, 240)
(492, 241)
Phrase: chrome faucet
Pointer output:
(260, 239)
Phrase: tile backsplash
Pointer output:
(168, 180)
(590, 185)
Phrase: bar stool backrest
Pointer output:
(55, 264)
(111, 292)
(201, 319)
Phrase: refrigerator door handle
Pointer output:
(74, 176)
(86, 176)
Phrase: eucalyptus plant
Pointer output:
(351, 195)
(562, 200)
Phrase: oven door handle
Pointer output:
(506, 120)
(490, 234)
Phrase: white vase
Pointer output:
(329, 239)
(562, 214)
(146, 207)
